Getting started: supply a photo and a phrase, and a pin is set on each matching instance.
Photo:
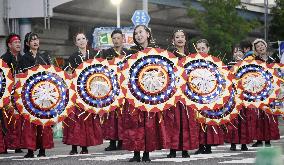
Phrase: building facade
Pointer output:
(56, 21)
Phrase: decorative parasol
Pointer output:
(97, 86)
(43, 95)
(205, 83)
(219, 116)
(277, 106)
(149, 80)
(257, 85)
(6, 84)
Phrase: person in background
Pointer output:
(239, 130)
(210, 135)
(112, 126)
(246, 48)
(202, 45)
(265, 126)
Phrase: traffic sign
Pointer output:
(140, 17)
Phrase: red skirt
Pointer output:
(265, 126)
(12, 138)
(212, 135)
(112, 126)
(2, 141)
(240, 131)
(181, 128)
(82, 130)
(143, 131)
(35, 137)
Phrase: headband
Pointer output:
(14, 38)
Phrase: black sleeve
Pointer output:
(47, 59)
(74, 61)
(134, 49)
(94, 54)
(44, 59)
(273, 59)
(6, 59)
(24, 63)
(104, 53)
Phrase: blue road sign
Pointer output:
(140, 17)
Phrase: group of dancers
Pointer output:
(129, 128)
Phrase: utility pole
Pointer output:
(265, 20)
(145, 5)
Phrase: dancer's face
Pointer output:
(81, 41)
(202, 48)
(179, 39)
(141, 35)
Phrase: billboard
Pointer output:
(102, 37)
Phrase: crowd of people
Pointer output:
(129, 128)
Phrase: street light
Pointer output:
(117, 4)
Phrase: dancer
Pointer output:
(14, 126)
(208, 135)
(181, 126)
(81, 128)
(34, 136)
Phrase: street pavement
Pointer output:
(59, 156)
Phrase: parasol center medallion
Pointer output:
(254, 82)
(99, 86)
(202, 81)
(45, 95)
(153, 79)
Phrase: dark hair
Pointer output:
(116, 31)
(149, 39)
(203, 41)
(186, 42)
(11, 35)
(28, 38)
(246, 44)
(74, 37)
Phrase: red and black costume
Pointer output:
(264, 125)
(180, 125)
(209, 135)
(81, 128)
(112, 125)
(14, 127)
(239, 131)
(35, 136)
(142, 131)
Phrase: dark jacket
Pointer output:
(28, 61)
(77, 58)
(11, 60)
(110, 53)
(177, 53)
(136, 48)
(269, 60)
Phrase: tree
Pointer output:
(276, 31)
(220, 23)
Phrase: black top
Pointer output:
(11, 60)
(177, 53)
(269, 60)
(27, 60)
(137, 48)
(110, 53)
(77, 58)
